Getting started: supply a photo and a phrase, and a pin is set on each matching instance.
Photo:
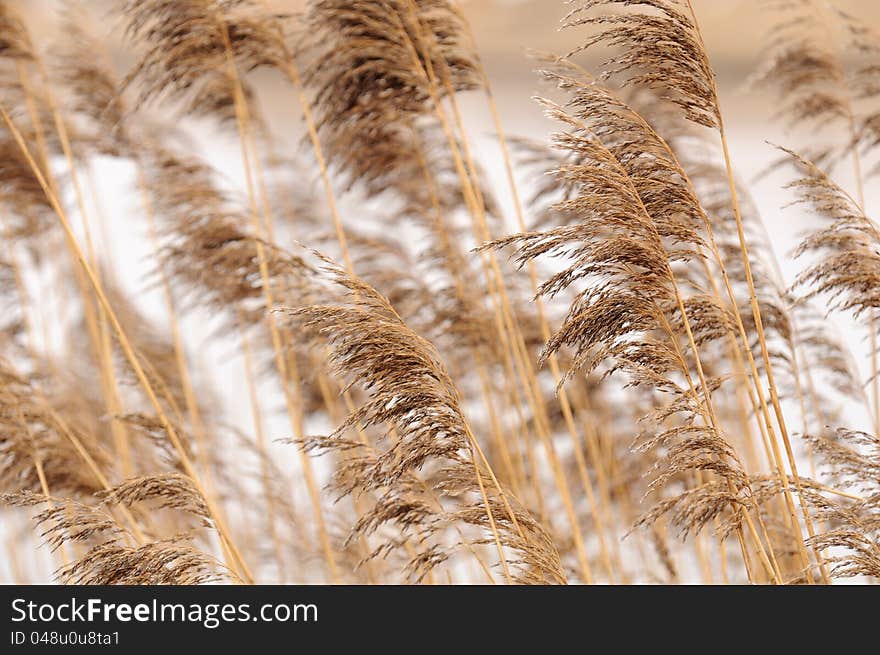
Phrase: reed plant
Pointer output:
(362, 359)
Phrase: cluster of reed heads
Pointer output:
(606, 382)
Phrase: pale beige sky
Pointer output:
(733, 28)
(505, 30)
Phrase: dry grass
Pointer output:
(619, 389)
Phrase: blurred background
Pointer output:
(506, 31)
(735, 32)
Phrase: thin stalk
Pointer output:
(41, 475)
(758, 385)
(192, 405)
(125, 344)
(261, 448)
(839, 75)
(756, 311)
(495, 281)
(707, 397)
(90, 463)
(454, 265)
(95, 325)
(290, 69)
(711, 420)
(553, 360)
(242, 119)
(31, 347)
(762, 416)
(110, 383)
(492, 525)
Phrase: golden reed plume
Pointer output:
(363, 345)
